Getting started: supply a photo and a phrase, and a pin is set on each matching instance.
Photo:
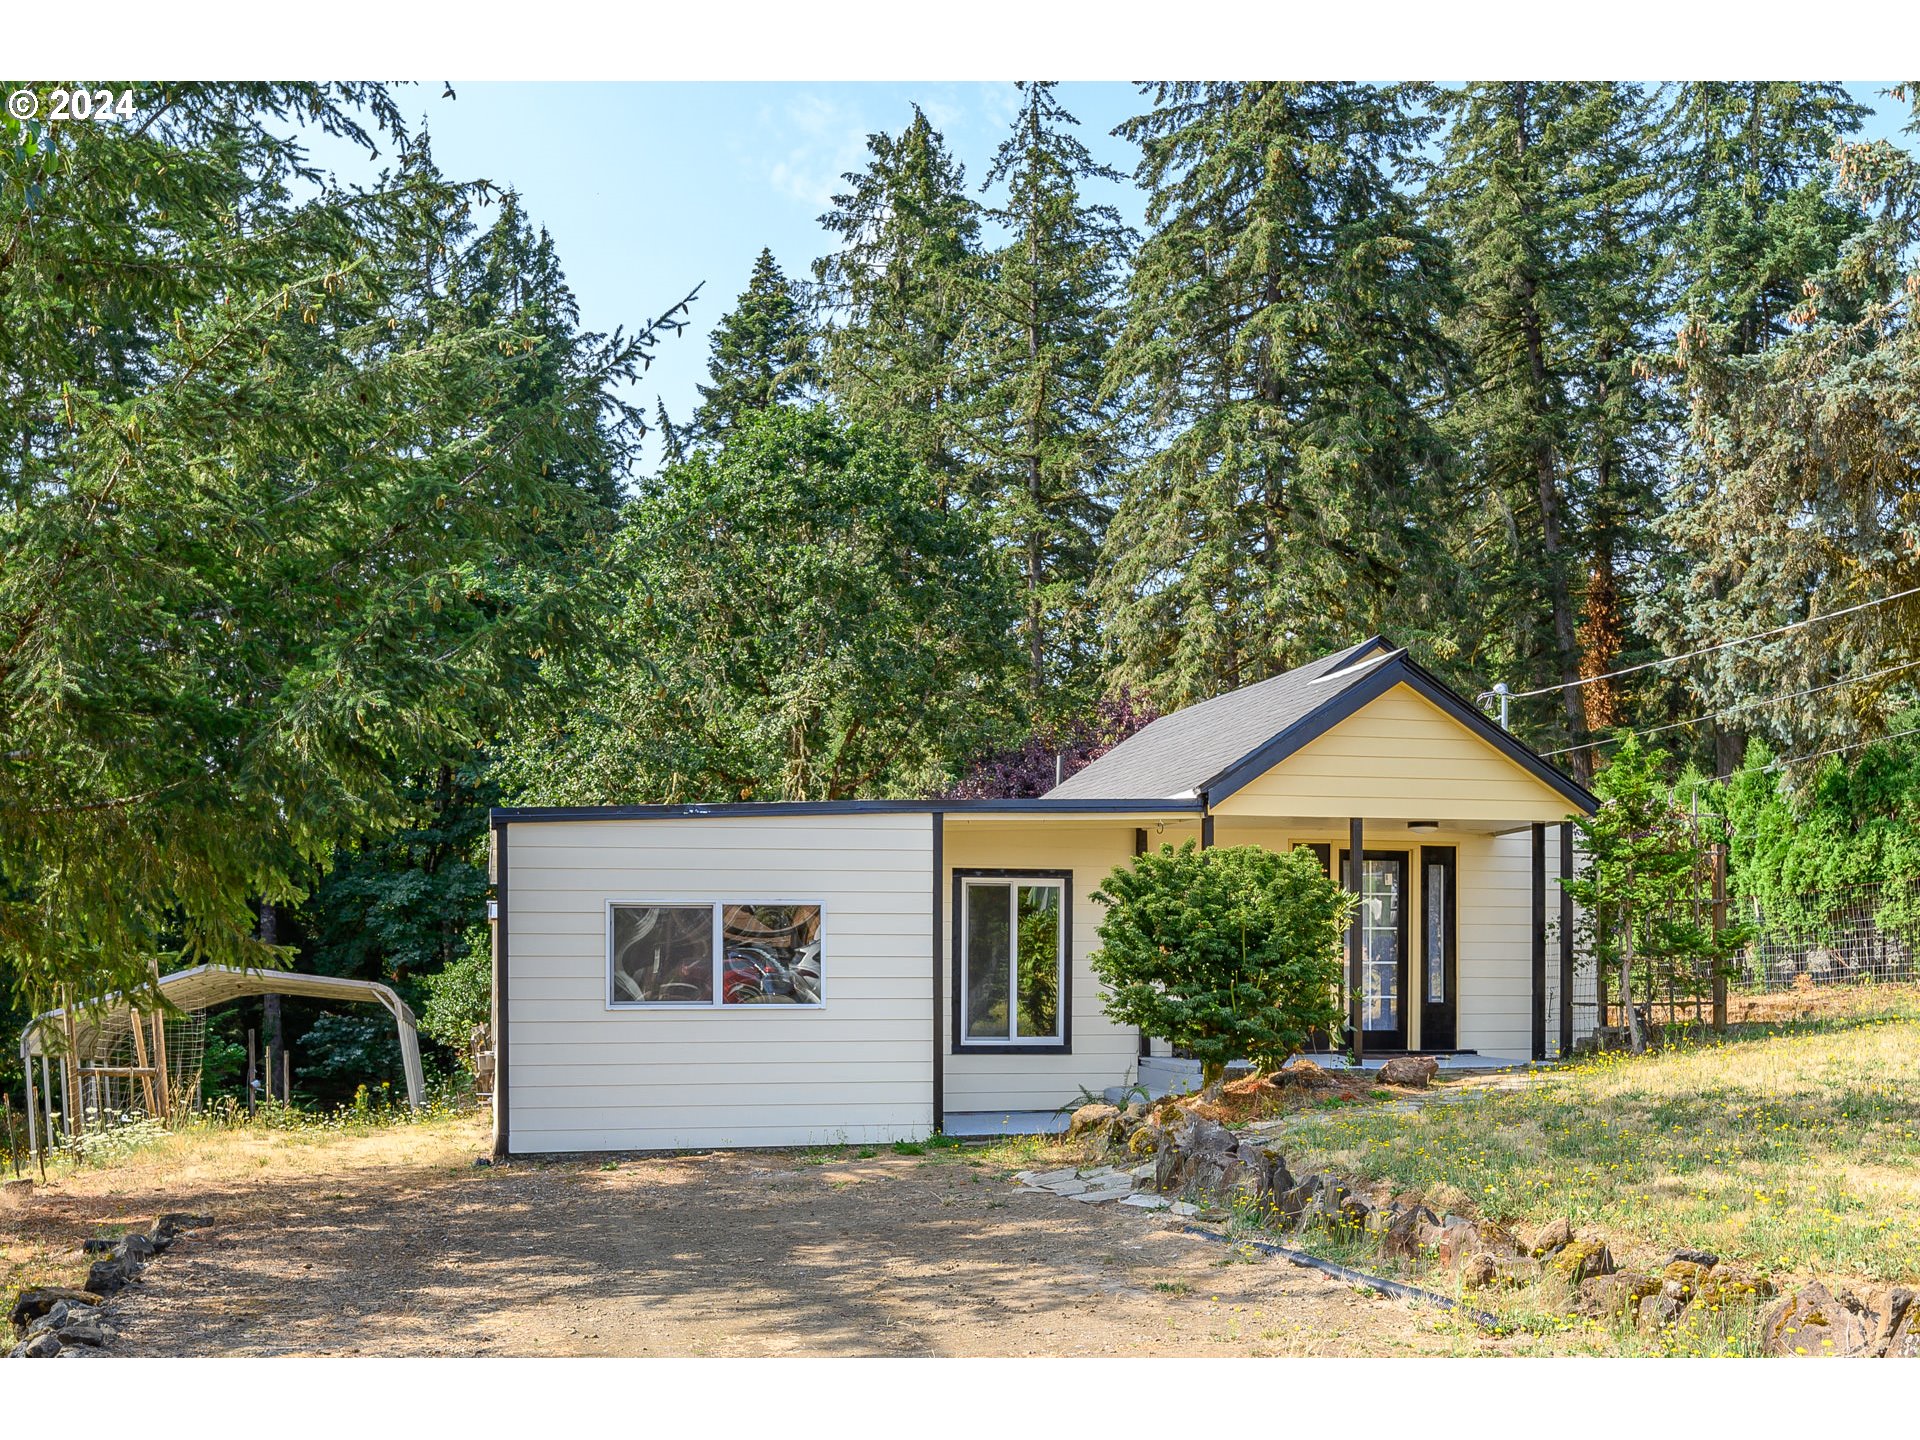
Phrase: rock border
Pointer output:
(50, 1320)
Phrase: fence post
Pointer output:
(1719, 860)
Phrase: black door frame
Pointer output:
(1440, 1020)
(1391, 1040)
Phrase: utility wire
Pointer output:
(1836, 750)
(1723, 645)
(1736, 709)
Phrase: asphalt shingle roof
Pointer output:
(1178, 753)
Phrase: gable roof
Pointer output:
(1211, 749)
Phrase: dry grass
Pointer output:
(1792, 1147)
(40, 1239)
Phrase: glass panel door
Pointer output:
(1382, 902)
(1383, 947)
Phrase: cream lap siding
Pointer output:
(582, 1076)
(1399, 757)
(1104, 1053)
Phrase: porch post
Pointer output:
(1139, 849)
(1356, 867)
(1566, 941)
(1539, 942)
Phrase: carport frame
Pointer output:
(204, 986)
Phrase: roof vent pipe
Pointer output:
(1059, 761)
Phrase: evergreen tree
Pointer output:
(1047, 436)
(1799, 495)
(279, 529)
(761, 355)
(1544, 190)
(803, 621)
(1756, 218)
(898, 294)
(1283, 341)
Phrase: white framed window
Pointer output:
(693, 954)
(1013, 949)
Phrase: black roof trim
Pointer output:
(1400, 669)
(734, 810)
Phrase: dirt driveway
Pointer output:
(404, 1249)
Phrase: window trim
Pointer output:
(960, 1042)
(717, 904)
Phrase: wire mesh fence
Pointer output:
(1853, 935)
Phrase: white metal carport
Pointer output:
(201, 988)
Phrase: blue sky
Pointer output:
(652, 188)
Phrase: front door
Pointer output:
(1383, 947)
(1439, 978)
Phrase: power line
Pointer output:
(1836, 750)
(1736, 709)
(1723, 645)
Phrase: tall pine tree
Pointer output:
(897, 296)
(761, 353)
(1755, 217)
(1047, 437)
(1283, 342)
(1542, 190)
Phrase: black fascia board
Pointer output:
(1401, 669)
(749, 808)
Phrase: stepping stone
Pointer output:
(1181, 1207)
(1143, 1201)
(1101, 1197)
(1044, 1178)
(1068, 1187)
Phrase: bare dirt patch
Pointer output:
(393, 1245)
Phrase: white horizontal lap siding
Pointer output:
(1103, 1053)
(583, 1076)
(1495, 891)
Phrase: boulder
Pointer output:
(1356, 1213)
(1484, 1269)
(52, 1320)
(1616, 1295)
(135, 1249)
(1090, 1118)
(1401, 1238)
(1581, 1260)
(1899, 1337)
(43, 1346)
(108, 1277)
(1206, 1137)
(1414, 1072)
(83, 1329)
(1661, 1309)
(1688, 1274)
(1149, 1139)
(1813, 1321)
(32, 1304)
(1543, 1240)
(1725, 1286)
(1450, 1239)
(1704, 1258)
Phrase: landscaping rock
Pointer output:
(1414, 1072)
(1813, 1321)
(1149, 1139)
(32, 1304)
(1725, 1286)
(98, 1244)
(1552, 1236)
(1248, 1181)
(1089, 1118)
(1661, 1309)
(1899, 1337)
(43, 1346)
(1704, 1258)
(108, 1277)
(1581, 1260)
(1401, 1238)
(1485, 1269)
(1450, 1239)
(84, 1329)
(135, 1249)
(52, 1320)
(1686, 1273)
(1617, 1295)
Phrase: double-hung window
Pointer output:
(1013, 946)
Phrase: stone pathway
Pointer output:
(1099, 1184)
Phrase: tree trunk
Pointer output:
(270, 1023)
(1636, 1032)
(1213, 1077)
